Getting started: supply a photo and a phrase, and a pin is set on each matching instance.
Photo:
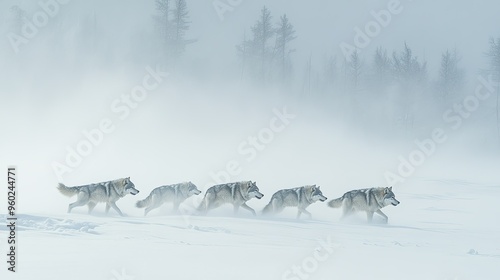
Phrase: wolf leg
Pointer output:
(383, 215)
(82, 199)
(369, 216)
(202, 208)
(91, 206)
(278, 206)
(245, 206)
(176, 207)
(207, 202)
(113, 205)
(346, 212)
(148, 209)
(303, 210)
(235, 209)
(75, 204)
(154, 204)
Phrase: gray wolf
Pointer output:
(171, 193)
(234, 193)
(109, 192)
(368, 200)
(298, 197)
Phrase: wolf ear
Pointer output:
(390, 188)
(386, 190)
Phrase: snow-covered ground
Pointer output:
(443, 229)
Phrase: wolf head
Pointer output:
(389, 197)
(253, 190)
(316, 194)
(192, 189)
(129, 187)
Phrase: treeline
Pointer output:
(395, 82)
(262, 59)
(171, 25)
(265, 54)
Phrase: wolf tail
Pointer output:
(145, 202)
(67, 191)
(336, 203)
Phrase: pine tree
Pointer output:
(450, 75)
(354, 68)
(172, 25)
(381, 68)
(163, 27)
(255, 52)
(180, 25)
(285, 33)
(263, 31)
(407, 69)
(410, 74)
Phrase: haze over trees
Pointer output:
(285, 34)
(172, 23)
(451, 76)
(274, 52)
(262, 61)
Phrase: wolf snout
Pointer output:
(395, 202)
(259, 195)
(324, 198)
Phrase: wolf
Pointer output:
(108, 192)
(300, 197)
(235, 193)
(176, 193)
(368, 200)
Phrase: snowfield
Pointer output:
(343, 95)
(442, 229)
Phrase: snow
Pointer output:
(443, 229)
(77, 84)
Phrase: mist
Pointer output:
(345, 95)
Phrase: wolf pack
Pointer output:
(370, 200)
